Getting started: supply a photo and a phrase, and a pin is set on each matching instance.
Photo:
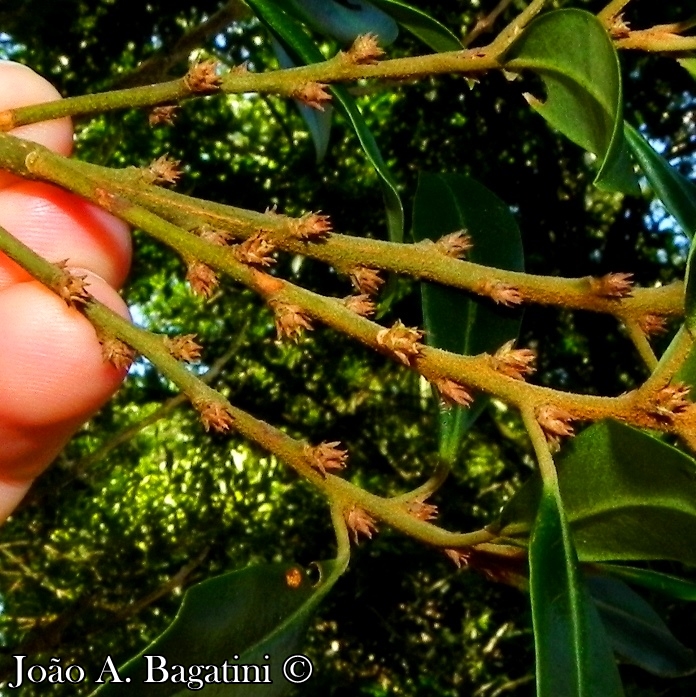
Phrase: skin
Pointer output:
(52, 375)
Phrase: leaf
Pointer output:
(672, 586)
(674, 190)
(689, 64)
(421, 25)
(300, 47)
(627, 496)
(258, 611)
(636, 632)
(318, 122)
(573, 55)
(454, 320)
(573, 655)
(345, 22)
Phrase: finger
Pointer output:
(61, 226)
(21, 86)
(52, 374)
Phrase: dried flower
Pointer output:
(162, 114)
(72, 288)
(671, 400)
(164, 170)
(311, 226)
(184, 347)
(515, 363)
(364, 51)
(202, 278)
(555, 422)
(213, 235)
(312, 94)
(290, 320)
(327, 456)
(214, 415)
(360, 304)
(619, 27)
(402, 341)
(360, 522)
(652, 324)
(421, 510)
(256, 250)
(117, 352)
(456, 244)
(366, 280)
(501, 293)
(458, 556)
(613, 286)
(203, 77)
(452, 392)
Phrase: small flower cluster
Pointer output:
(402, 341)
(162, 115)
(501, 293)
(72, 288)
(256, 250)
(326, 456)
(365, 280)
(361, 304)
(515, 363)
(202, 278)
(456, 244)
(117, 352)
(290, 320)
(164, 170)
(203, 77)
(671, 401)
(184, 347)
(312, 94)
(360, 522)
(364, 51)
(215, 416)
(311, 227)
(613, 286)
(452, 393)
(555, 422)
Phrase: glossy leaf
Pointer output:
(627, 496)
(345, 21)
(675, 191)
(301, 48)
(259, 611)
(672, 586)
(454, 320)
(421, 25)
(573, 655)
(574, 56)
(318, 122)
(636, 632)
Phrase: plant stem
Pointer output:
(640, 341)
(547, 468)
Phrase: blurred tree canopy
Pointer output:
(143, 502)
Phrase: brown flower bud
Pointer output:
(72, 288)
(364, 51)
(452, 392)
(311, 226)
(613, 286)
(421, 510)
(458, 556)
(162, 115)
(402, 341)
(554, 421)
(515, 363)
(164, 170)
(327, 456)
(360, 523)
(215, 415)
(652, 324)
(312, 94)
(365, 280)
(456, 244)
(671, 400)
(117, 352)
(290, 320)
(256, 250)
(501, 293)
(360, 304)
(215, 236)
(202, 278)
(184, 347)
(203, 77)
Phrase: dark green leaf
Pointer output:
(300, 47)
(572, 53)
(636, 632)
(573, 655)
(421, 25)
(345, 22)
(261, 610)
(454, 320)
(627, 496)
(674, 190)
(673, 586)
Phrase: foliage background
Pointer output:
(85, 564)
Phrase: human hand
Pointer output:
(52, 374)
